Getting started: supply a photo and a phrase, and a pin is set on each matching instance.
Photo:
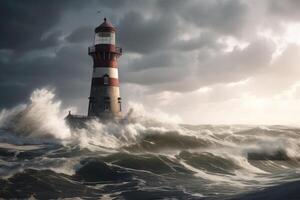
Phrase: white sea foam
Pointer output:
(43, 119)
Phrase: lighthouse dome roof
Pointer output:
(106, 26)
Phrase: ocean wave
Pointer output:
(136, 153)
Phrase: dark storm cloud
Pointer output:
(24, 23)
(81, 34)
(26, 26)
(113, 3)
(156, 76)
(205, 40)
(19, 79)
(220, 68)
(157, 69)
(166, 59)
(287, 10)
(156, 55)
(142, 35)
(224, 16)
(237, 65)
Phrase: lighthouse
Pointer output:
(105, 99)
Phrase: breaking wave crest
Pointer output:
(40, 118)
(35, 136)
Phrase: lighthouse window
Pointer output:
(106, 107)
(106, 103)
(104, 34)
(105, 79)
(106, 55)
(120, 105)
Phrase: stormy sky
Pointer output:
(202, 61)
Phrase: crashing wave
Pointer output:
(36, 141)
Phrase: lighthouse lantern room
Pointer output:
(105, 100)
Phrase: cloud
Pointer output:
(62, 71)
(141, 35)
(81, 34)
(236, 65)
(206, 40)
(174, 51)
(24, 24)
(285, 10)
(225, 16)
(187, 71)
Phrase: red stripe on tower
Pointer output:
(105, 82)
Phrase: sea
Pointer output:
(142, 157)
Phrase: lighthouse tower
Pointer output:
(105, 100)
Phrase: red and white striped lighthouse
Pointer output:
(105, 100)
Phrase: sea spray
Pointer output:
(145, 144)
(42, 117)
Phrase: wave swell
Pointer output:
(131, 158)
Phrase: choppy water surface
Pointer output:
(141, 158)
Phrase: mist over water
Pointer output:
(146, 155)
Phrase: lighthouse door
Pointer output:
(106, 104)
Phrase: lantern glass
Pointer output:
(105, 38)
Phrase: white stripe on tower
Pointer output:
(101, 71)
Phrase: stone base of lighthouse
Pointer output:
(82, 121)
(107, 105)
